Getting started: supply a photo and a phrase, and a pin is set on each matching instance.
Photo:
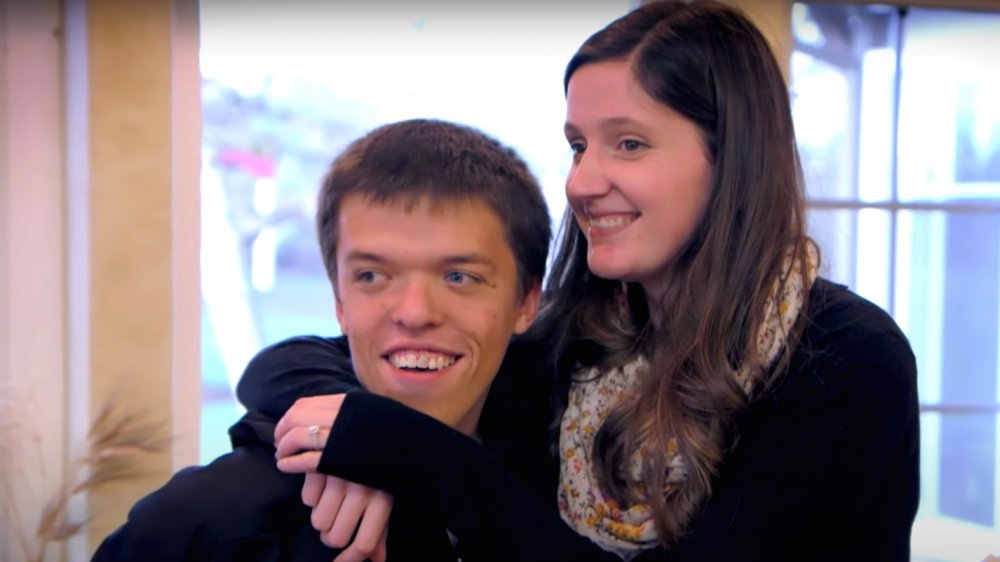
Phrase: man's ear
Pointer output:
(340, 311)
(528, 308)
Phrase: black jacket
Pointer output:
(241, 508)
(823, 467)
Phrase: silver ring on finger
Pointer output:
(314, 433)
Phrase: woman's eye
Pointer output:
(577, 147)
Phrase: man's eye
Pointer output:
(366, 276)
(628, 145)
(460, 278)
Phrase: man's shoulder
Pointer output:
(238, 498)
(234, 487)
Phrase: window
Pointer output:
(286, 86)
(899, 128)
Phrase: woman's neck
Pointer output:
(656, 295)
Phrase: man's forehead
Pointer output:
(420, 200)
(465, 229)
(423, 232)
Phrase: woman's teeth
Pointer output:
(610, 221)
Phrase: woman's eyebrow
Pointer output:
(608, 124)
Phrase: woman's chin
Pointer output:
(610, 271)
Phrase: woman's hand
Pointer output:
(339, 507)
(302, 432)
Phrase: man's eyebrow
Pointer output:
(473, 258)
(469, 259)
(360, 255)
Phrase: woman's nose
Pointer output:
(586, 178)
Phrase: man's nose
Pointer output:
(417, 305)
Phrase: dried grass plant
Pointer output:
(118, 442)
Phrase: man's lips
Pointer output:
(422, 359)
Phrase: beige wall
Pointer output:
(99, 287)
(143, 145)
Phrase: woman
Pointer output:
(715, 399)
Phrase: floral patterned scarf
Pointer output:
(628, 530)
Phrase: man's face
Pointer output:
(428, 298)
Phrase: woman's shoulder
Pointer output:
(847, 336)
(838, 318)
(829, 446)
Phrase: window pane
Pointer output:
(949, 135)
(821, 106)
(835, 231)
(949, 305)
(842, 77)
(956, 521)
(855, 249)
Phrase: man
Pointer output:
(435, 239)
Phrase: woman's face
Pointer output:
(640, 178)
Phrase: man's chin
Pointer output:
(432, 407)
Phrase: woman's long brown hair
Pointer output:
(709, 63)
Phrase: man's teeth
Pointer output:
(421, 360)
(610, 221)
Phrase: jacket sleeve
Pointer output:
(381, 443)
(288, 370)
